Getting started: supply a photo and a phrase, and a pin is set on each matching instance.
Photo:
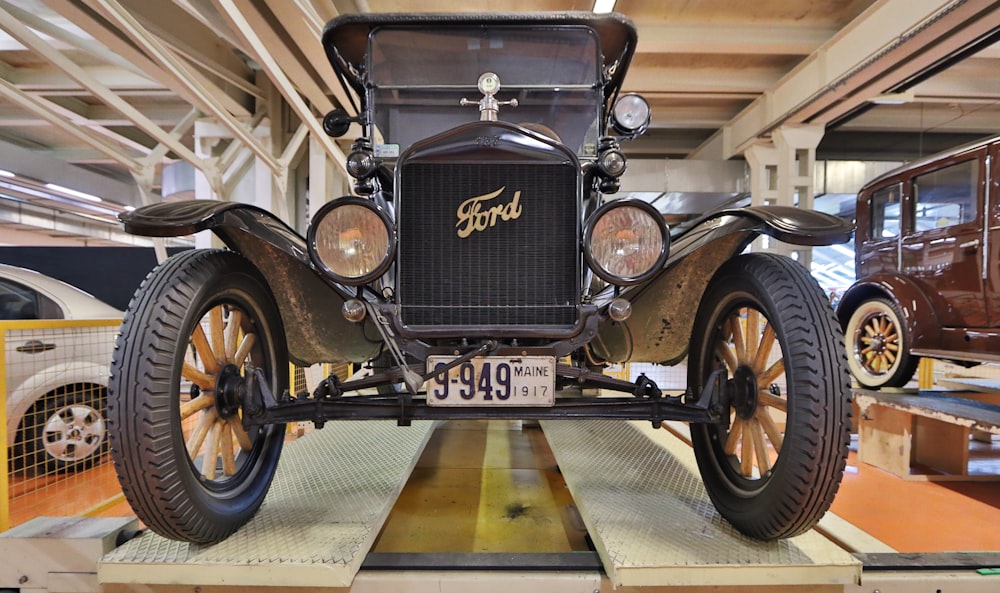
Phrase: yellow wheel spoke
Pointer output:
(726, 354)
(201, 402)
(197, 438)
(738, 340)
(232, 336)
(764, 351)
(204, 350)
(210, 460)
(746, 453)
(759, 446)
(241, 435)
(753, 335)
(197, 377)
(216, 329)
(734, 436)
(226, 448)
(766, 398)
(767, 377)
(241, 353)
(767, 423)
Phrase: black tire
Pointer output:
(64, 432)
(784, 360)
(179, 324)
(878, 347)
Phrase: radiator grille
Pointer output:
(520, 272)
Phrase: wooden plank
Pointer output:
(941, 445)
(956, 410)
(886, 438)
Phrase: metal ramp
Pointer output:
(332, 492)
(647, 512)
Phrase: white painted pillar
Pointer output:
(796, 148)
(207, 134)
(763, 160)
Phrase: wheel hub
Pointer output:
(744, 389)
(230, 391)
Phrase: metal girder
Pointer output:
(859, 63)
(38, 107)
(742, 39)
(244, 17)
(208, 95)
(43, 48)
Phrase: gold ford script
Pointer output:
(473, 215)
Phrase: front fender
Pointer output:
(310, 306)
(788, 224)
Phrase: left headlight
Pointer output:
(626, 242)
(352, 240)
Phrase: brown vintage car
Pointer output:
(927, 246)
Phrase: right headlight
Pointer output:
(352, 240)
(626, 242)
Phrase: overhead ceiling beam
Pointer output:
(743, 39)
(242, 17)
(40, 46)
(34, 105)
(890, 41)
(103, 31)
(207, 95)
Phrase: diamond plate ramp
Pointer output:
(646, 509)
(333, 490)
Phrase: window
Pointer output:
(946, 197)
(20, 302)
(885, 212)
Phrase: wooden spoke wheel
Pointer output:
(194, 331)
(878, 347)
(774, 464)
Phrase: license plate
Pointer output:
(493, 381)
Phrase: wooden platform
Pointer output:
(932, 429)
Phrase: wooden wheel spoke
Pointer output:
(892, 347)
(759, 446)
(240, 356)
(753, 335)
(215, 328)
(870, 329)
(767, 377)
(866, 350)
(210, 459)
(204, 350)
(241, 435)
(726, 354)
(746, 453)
(734, 436)
(232, 336)
(770, 428)
(764, 350)
(890, 357)
(736, 323)
(199, 378)
(226, 448)
(201, 402)
(197, 437)
(766, 398)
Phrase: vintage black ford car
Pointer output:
(484, 270)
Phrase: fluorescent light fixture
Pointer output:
(893, 98)
(5, 173)
(129, 208)
(73, 192)
(601, 6)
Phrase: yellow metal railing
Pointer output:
(53, 378)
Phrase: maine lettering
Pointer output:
(538, 371)
(473, 215)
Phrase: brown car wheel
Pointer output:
(878, 347)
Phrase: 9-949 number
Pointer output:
(493, 381)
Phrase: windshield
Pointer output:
(417, 79)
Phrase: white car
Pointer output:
(56, 377)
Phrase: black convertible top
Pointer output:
(345, 38)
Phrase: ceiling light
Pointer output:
(73, 192)
(893, 98)
(601, 6)
(5, 173)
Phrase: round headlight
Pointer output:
(630, 115)
(351, 239)
(626, 242)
